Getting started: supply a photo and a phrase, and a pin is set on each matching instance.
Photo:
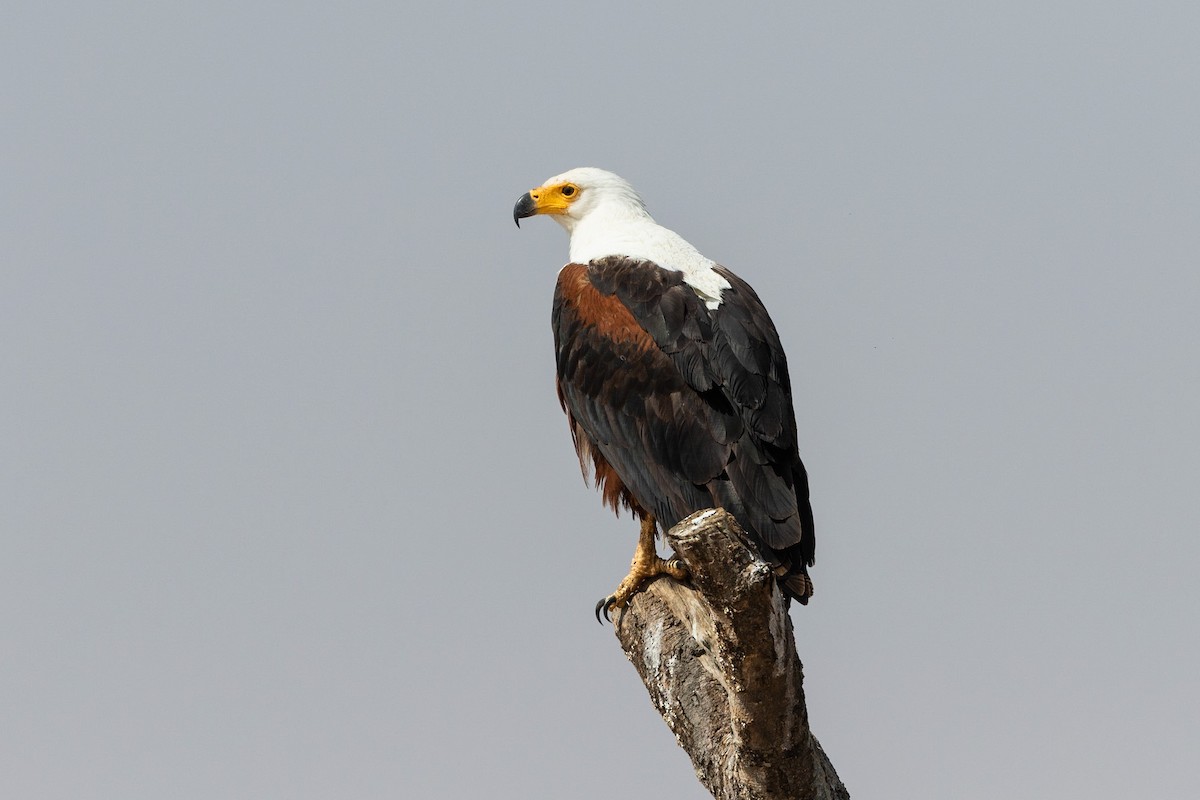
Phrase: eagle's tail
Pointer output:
(797, 585)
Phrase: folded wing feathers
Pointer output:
(729, 416)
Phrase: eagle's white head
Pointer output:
(604, 216)
(584, 193)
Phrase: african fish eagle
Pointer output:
(673, 380)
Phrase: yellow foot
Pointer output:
(634, 580)
(646, 565)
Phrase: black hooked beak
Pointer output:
(525, 207)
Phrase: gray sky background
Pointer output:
(290, 510)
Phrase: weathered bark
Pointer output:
(719, 660)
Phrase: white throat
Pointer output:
(614, 229)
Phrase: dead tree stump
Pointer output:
(718, 656)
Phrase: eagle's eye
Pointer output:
(568, 190)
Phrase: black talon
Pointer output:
(605, 604)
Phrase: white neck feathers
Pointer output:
(619, 229)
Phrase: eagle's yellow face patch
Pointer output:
(554, 199)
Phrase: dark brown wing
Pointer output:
(689, 406)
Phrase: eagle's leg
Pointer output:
(646, 565)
